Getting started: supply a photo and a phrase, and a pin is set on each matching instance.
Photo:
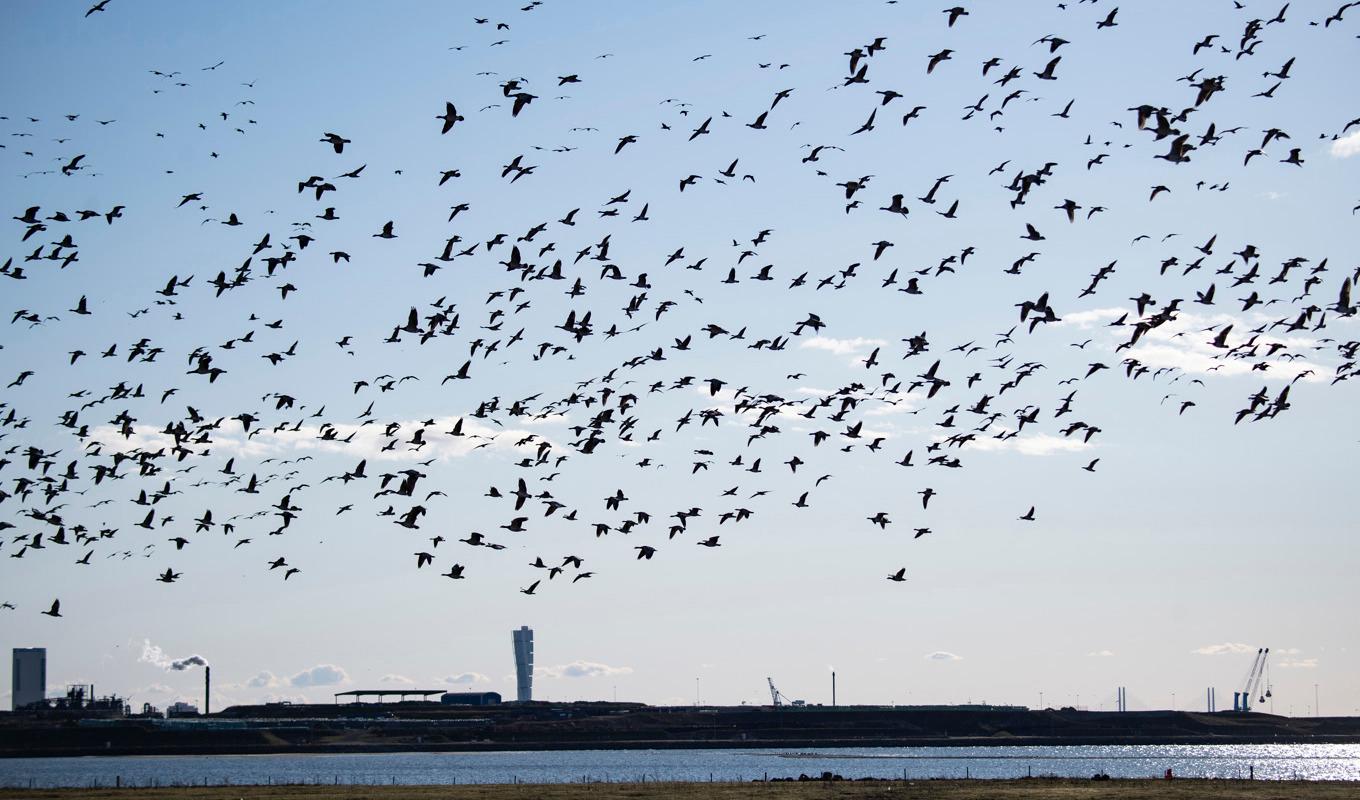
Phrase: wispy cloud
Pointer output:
(943, 655)
(903, 405)
(465, 678)
(1346, 146)
(1185, 345)
(841, 347)
(264, 679)
(1100, 654)
(1091, 317)
(399, 679)
(365, 441)
(582, 669)
(1299, 663)
(1227, 648)
(1039, 444)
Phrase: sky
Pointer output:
(1193, 541)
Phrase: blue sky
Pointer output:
(1193, 542)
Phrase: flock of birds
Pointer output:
(136, 454)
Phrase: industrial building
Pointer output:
(524, 664)
(181, 709)
(80, 702)
(29, 677)
(471, 699)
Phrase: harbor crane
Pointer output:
(775, 696)
(1257, 683)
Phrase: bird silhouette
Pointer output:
(596, 376)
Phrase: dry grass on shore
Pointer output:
(1035, 789)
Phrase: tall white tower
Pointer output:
(29, 676)
(524, 663)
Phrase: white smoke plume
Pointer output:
(151, 654)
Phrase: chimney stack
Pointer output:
(207, 688)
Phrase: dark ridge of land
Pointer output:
(432, 727)
(1029, 789)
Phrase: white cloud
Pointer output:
(902, 405)
(942, 655)
(1227, 648)
(264, 679)
(466, 677)
(841, 347)
(582, 669)
(1100, 654)
(1299, 663)
(1184, 344)
(320, 675)
(1091, 317)
(1346, 146)
(402, 679)
(366, 441)
(1041, 444)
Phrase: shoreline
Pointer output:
(877, 789)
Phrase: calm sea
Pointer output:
(1265, 762)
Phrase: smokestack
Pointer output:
(833, 688)
(207, 688)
